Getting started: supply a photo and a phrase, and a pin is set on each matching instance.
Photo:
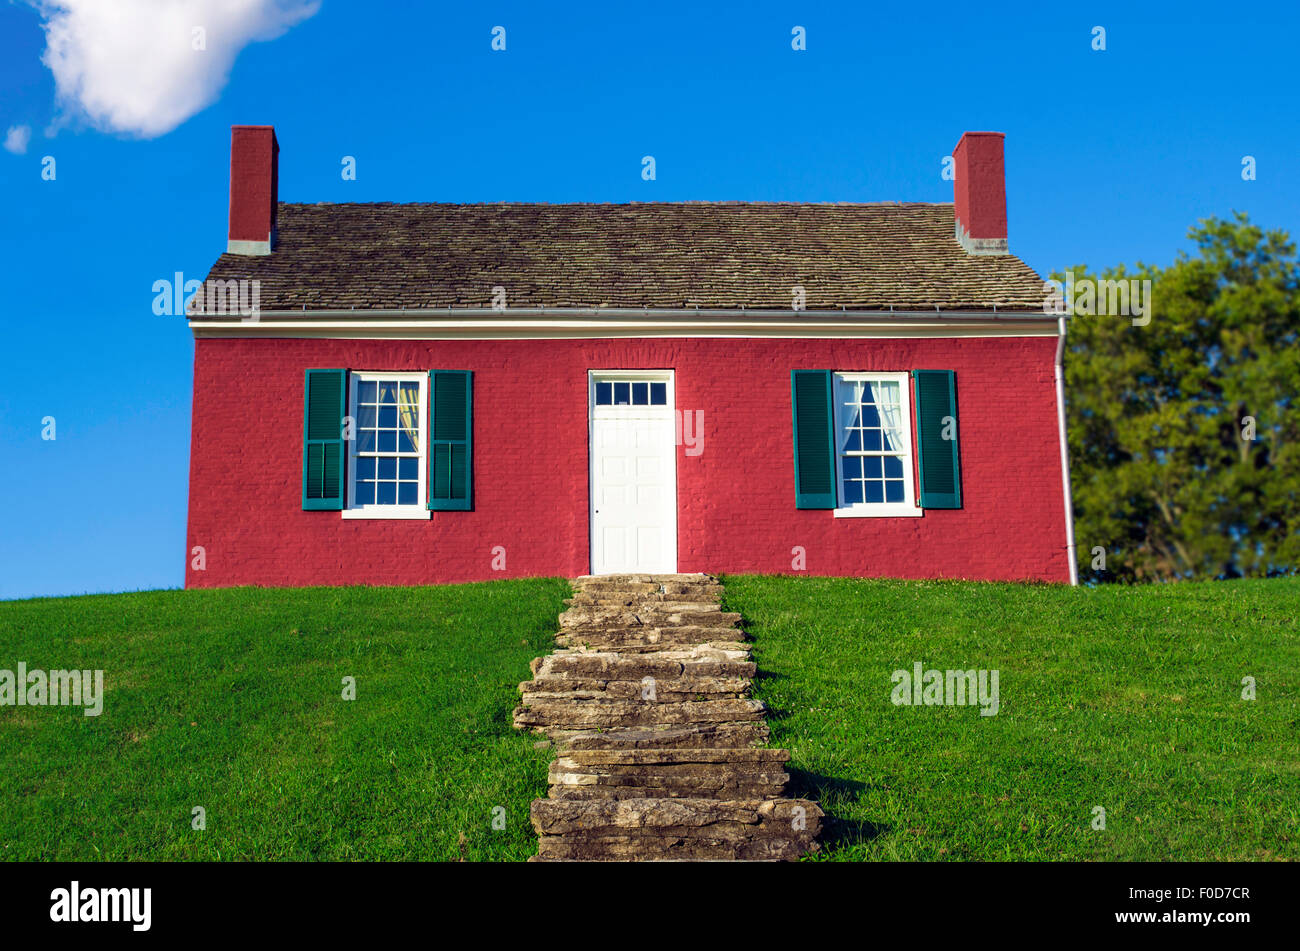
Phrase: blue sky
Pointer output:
(1111, 156)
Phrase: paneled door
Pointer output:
(633, 472)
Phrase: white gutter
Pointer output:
(658, 313)
(487, 323)
(1065, 452)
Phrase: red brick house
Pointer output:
(440, 393)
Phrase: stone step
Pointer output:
(657, 592)
(676, 660)
(736, 735)
(628, 639)
(674, 615)
(711, 786)
(602, 599)
(570, 777)
(631, 588)
(583, 581)
(667, 828)
(611, 714)
(646, 690)
(615, 848)
(677, 755)
(661, 665)
(665, 604)
(635, 647)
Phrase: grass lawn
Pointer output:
(1125, 698)
(231, 700)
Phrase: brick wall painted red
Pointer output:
(735, 500)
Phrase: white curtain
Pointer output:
(408, 412)
(850, 396)
(886, 398)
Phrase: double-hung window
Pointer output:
(386, 470)
(873, 445)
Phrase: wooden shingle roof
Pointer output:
(724, 255)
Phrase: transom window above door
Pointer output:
(631, 393)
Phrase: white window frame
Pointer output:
(909, 507)
(421, 508)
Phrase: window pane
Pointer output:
(408, 493)
(387, 468)
(387, 440)
(871, 467)
(406, 441)
(387, 392)
(365, 493)
(410, 393)
(366, 440)
(853, 423)
(386, 493)
(852, 492)
(604, 394)
(893, 467)
(365, 392)
(640, 394)
(366, 416)
(408, 469)
(658, 394)
(852, 467)
(388, 417)
(622, 394)
(366, 467)
(893, 491)
(871, 440)
(875, 491)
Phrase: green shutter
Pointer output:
(936, 399)
(325, 404)
(814, 439)
(451, 448)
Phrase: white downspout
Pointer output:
(1065, 451)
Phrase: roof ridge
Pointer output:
(727, 202)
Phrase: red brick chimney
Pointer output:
(254, 188)
(980, 193)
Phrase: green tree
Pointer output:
(1164, 473)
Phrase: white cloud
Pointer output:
(16, 139)
(131, 65)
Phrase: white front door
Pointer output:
(633, 472)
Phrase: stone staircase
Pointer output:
(659, 747)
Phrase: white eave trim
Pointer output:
(589, 323)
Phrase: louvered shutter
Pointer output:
(324, 406)
(451, 457)
(936, 438)
(814, 439)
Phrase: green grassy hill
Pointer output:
(231, 700)
(1127, 698)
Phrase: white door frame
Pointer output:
(630, 412)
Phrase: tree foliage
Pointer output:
(1165, 476)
